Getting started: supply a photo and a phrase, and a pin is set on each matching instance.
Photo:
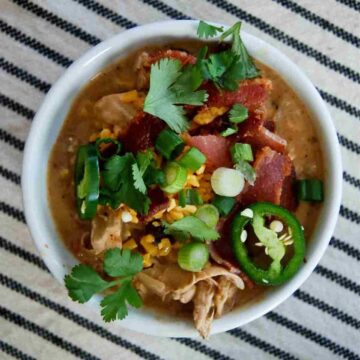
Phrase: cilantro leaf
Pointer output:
(122, 262)
(83, 282)
(238, 113)
(245, 68)
(139, 183)
(144, 160)
(206, 30)
(114, 307)
(247, 170)
(229, 131)
(192, 226)
(165, 94)
(118, 178)
(154, 176)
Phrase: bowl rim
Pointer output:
(33, 183)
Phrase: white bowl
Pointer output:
(48, 122)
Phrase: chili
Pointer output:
(276, 273)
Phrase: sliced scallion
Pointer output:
(229, 131)
(175, 177)
(193, 159)
(193, 256)
(114, 142)
(169, 144)
(310, 190)
(238, 113)
(209, 214)
(227, 182)
(182, 198)
(240, 151)
(224, 204)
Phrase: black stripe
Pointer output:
(313, 336)
(326, 308)
(107, 13)
(23, 254)
(270, 30)
(349, 144)
(16, 107)
(14, 352)
(261, 344)
(321, 22)
(9, 175)
(338, 279)
(24, 75)
(339, 103)
(349, 214)
(353, 4)
(12, 212)
(11, 140)
(346, 248)
(34, 44)
(45, 334)
(68, 314)
(287, 39)
(351, 180)
(167, 10)
(57, 21)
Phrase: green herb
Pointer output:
(100, 141)
(247, 170)
(206, 30)
(191, 226)
(165, 94)
(245, 68)
(83, 282)
(154, 176)
(143, 161)
(229, 131)
(241, 151)
(224, 204)
(238, 113)
(190, 197)
(123, 183)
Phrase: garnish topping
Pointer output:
(206, 30)
(83, 282)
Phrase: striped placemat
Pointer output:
(39, 40)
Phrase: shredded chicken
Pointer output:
(203, 288)
(106, 230)
(112, 110)
(142, 68)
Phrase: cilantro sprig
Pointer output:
(168, 92)
(191, 226)
(83, 282)
(206, 30)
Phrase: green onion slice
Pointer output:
(229, 131)
(87, 181)
(193, 257)
(190, 197)
(209, 214)
(310, 190)
(175, 177)
(224, 204)
(169, 144)
(240, 151)
(238, 113)
(193, 159)
(100, 141)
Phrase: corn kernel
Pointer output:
(147, 260)
(164, 247)
(172, 205)
(207, 115)
(176, 215)
(147, 243)
(130, 244)
(159, 214)
(201, 170)
(192, 180)
(156, 223)
(129, 96)
(106, 133)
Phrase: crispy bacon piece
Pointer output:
(142, 132)
(254, 132)
(274, 178)
(215, 148)
(251, 93)
(183, 56)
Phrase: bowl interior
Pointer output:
(47, 125)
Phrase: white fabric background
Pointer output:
(38, 40)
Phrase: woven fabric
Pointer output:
(39, 40)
